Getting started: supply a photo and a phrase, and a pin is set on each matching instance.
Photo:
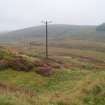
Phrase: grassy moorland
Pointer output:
(64, 87)
(77, 77)
(74, 74)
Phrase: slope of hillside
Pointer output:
(101, 27)
(55, 31)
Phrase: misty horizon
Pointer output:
(20, 14)
(27, 27)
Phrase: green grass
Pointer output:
(64, 87)
(5, 54)
(81, 84)
(37, 82)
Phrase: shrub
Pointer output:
(45, 71)
(96, 90)
(39, 64)
(20, 64)
(47, 63)
(5, 54)
(3, 64)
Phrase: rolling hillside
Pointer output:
(65, 36)
(101, 27)
(55, 32)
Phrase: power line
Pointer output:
(46, 25)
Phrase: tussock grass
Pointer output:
(64, 87)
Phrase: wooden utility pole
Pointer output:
(46, 39)
(46, 24)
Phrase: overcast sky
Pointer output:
(15, 14)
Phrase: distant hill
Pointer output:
(56, 31)
(101, 27)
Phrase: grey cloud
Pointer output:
(24, 13)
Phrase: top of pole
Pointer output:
(46, 21)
